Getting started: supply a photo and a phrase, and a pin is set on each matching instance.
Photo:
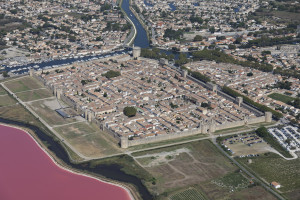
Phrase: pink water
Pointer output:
(28, 173)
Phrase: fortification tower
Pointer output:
(90, 116)
(58, 93)
(124, 142)
(86, 114)
(204, 127)
(31, 72)
(163, 61)
(184, 73)
(212, 126)
(268, 117)
(136, 52)
(212, 86)
(239, 101)
(54, 91)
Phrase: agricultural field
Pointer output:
(272, 167)
(281, 97)
(197, 165)
(23, 84)
(233, 181)
(33, 95)
(89, 139)
(189, 194)
(252, 192)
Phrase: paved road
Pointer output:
(247, 172)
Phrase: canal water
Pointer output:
(141, 39)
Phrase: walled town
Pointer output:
(166, 100)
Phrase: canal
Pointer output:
(141, 38)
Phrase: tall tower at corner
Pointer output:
(136, 52)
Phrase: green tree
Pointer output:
(238, 40)
(111, 74)
(129, 111)
(198, 38)
(232, 46)
(212, 29)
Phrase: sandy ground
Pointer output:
(162, 156)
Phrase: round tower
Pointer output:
(239, 100)
(136, 52)
(184, 73)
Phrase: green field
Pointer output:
(190, 194)
(281, 97)
(6, 100)
(23, 84)
(34, 94)
(2, 91)
(271, 167)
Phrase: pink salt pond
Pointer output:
(28, 173)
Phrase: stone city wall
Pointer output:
(208, 128)
(163, 137)
(257, 120)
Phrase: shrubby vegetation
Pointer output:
(198, 38)
(284, 85)
(295, 103)
(173, 34)
(111, 74)
(197, 19)
(199, 76)
(267, 41)
(155, 54)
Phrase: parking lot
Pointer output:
(288, 137)
(246, 145)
